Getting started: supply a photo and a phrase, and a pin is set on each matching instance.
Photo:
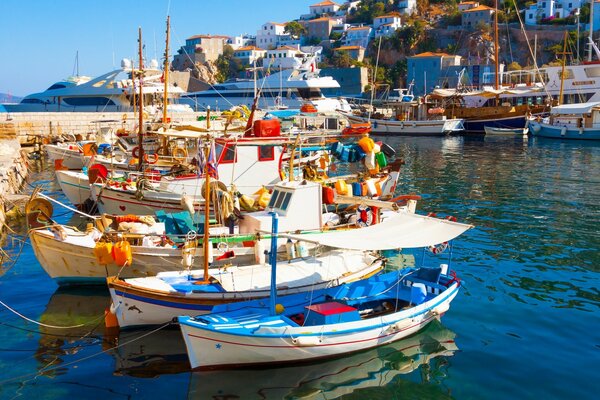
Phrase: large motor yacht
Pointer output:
(286, 88)
(112, 91)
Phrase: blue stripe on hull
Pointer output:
(169, 304)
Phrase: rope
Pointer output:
(67, 207)
(36, 322)
(83, 358)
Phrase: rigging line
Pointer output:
(36, 322)
(67, 207)
(196, 68)
(87, 357)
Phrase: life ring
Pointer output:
(151, 161)
(364, 216)
(438, 248)
(180, 154)
(136, 152)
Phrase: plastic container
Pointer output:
(367, 144)
(341, 187)
(381, 160)
(103, 253)
(328, 195)
(370, 162)
(121, 253)
(356, 189)
(267, 128)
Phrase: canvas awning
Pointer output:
(577, 108)
(404, 230)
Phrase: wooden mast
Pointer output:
(166, 74)
(206, 241)
(496, 48)
(562, 72)
(141, 104)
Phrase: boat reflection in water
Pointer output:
(377, 369)
(80, 314)
(143, 353)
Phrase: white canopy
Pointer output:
(404, 230)
(577, 108)
(486, 92)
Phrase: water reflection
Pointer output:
(415, 366)
(79, 309)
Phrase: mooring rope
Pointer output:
(36, 322)
(45, 369)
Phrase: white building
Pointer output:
(267, 35)
(467, 5)
(249, 54)
(407, 7)
(358, 36)
(324, 7)
(551, 8)
(241, 41)
(386, 25)
(284, 57)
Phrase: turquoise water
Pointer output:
(525, 326)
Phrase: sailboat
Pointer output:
(331, 322)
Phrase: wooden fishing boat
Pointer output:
(333, 321)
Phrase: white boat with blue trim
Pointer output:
(330, 322)
(569, 121)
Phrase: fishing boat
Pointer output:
(334, 321)
(158, 299)
(495, 131)
(569, 121)
(356, 375)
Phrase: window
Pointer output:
(266, 153)
(226, 154)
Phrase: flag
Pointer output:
(211, 165)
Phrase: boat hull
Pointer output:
(71, 158)
(560, 132)
(268, 343)
(153, 307)
(118, 202)
(412, 128)
(75, 185)
(72, 261)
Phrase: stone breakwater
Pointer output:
(13, 172)
(25, 127)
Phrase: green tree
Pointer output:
(295, 29)
(341, 59)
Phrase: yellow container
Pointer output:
(263, 199)
(341, 187)
(103, 253)
(122, 253)
(366, 144)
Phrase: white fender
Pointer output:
(306, 341)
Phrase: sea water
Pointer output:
(526, 324)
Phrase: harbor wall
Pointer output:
(13, 172)
(26, 126)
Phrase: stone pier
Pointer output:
(28, 125)
(13, 172)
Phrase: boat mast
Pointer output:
(141, 104)
(166, 74)
(562, 72)
(206, 240)
(591, 44)
(496, 47)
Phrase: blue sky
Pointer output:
(39, 38)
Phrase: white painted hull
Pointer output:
(73, 260)
(75, 185)
(134, 306)
(71, 158)
(412, 128)
(118, 202)
(269, 345)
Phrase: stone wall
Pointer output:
(13, 171)
(25, 126)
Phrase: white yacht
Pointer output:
(288, 88)
(112, 91)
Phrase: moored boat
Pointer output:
(570, 121)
